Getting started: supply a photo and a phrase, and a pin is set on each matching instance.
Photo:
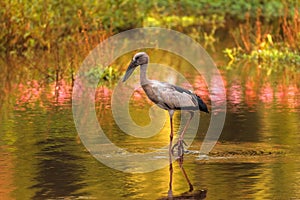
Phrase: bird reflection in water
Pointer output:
(191, 193)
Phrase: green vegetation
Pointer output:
(273, 57)
(101, 74)
(48, 40)
(272, 43)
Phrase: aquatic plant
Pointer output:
(274, 49)
(273, 57)
(102, 74)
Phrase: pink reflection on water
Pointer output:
(235, 96)
(250, 94)
(293, 97)
(212, 92)
(29, 92)
(61, 92)
(103, 97)
(138, 94)
(217, 93)
(35, 92)
(253, 94)
(235, 93)
(288, 95)
(266, 93)
(201, 87)
(280, 94)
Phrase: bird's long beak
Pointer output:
(129, 70)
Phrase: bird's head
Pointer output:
(140, 58)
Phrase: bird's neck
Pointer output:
(143, 74)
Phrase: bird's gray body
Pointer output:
(171, 97)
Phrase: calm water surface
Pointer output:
(257, 156)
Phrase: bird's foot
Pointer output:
(179, 147)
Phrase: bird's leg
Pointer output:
(180, 162)
(180, 141)
(171, 113)
(186, 126)
(170, 192)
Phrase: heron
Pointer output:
(166, 96)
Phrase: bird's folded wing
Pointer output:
(175, 97)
